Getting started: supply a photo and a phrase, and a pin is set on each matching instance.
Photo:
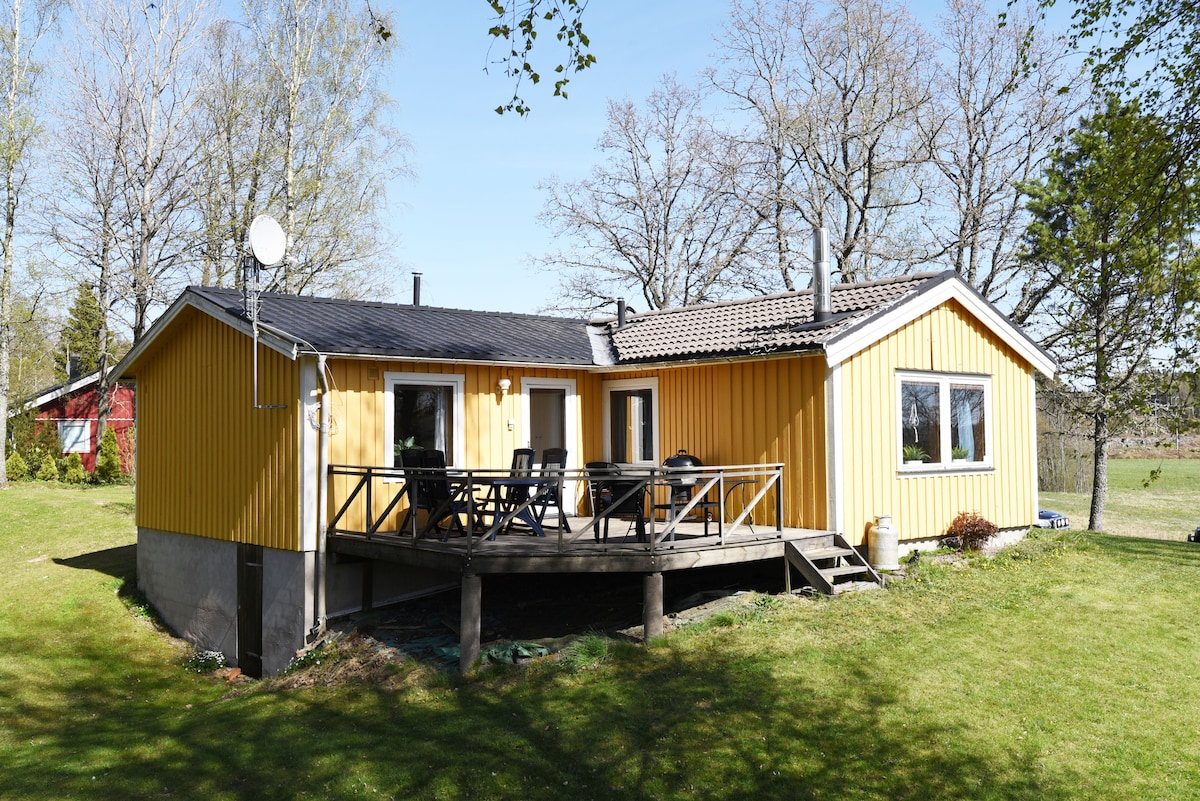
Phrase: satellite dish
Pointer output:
(267, 241)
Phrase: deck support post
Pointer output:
(652, 606)
(469, 625)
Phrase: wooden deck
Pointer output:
(578, 552)
(375, 498)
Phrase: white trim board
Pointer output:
(875, 328)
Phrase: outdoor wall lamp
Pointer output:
(502, 387)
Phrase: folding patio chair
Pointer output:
(612, 495)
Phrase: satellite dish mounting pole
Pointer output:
(267, 244)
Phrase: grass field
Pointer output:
(1167, 509)
(1064, 668)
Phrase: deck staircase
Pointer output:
(831, 569)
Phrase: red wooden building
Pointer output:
(73, 409)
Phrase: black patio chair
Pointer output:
(410, 459)
(554, 465)
(514, 496)
(429, 489)
(611, 495)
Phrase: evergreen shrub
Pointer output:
(108, 459)
(75, 474)
(48, 471)
(16, 468)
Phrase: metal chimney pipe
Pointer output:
(620, 313)
(416, 289)
(822, 300)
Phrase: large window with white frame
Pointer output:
(631, 421)
(944, 420)
(424, 410)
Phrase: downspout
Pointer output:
(319, 602)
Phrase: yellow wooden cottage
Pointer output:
(271, 494)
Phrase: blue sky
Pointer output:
(468, 219)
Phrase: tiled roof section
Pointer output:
(752, 326)
(387, 329)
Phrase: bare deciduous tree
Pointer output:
(138, 72)
(835, 91)
(999, 109)
(234, 177)
(660, 215)
(22, 27)
(331, 145)
(755, 69)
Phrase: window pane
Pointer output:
(631, 434)
(423, 416)
(75, 436)
(967, 423)
(920, 420)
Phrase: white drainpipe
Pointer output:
(319, 578)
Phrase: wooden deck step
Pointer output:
(831, 569)
(816, 554)
(843, 570)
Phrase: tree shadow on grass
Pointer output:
(704, 721)
(1169, 553)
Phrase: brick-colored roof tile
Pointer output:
(766, 324)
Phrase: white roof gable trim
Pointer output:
(267, 337)
(908, 309)
(65, 389)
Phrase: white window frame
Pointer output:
(624, 385)
(944, 381)
(75, 436)
(457, 384)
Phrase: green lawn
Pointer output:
(1168, 509)
(1065, 668)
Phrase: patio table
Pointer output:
(502, 508)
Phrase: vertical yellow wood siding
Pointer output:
(945, 340)
(728, 413)
(750, 412)
(209, 464)
(359, 427)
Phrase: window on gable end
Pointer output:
(944, 421)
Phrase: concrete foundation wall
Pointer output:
(288, 606)
(192, 583)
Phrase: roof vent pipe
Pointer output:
(620, 313)
(416, 289)
(822, 301)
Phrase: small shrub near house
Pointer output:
(48, 469)
(15, 468)
(969, 531)
(75, 474)
(108, 459)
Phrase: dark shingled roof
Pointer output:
(759, 325)
(369, 328)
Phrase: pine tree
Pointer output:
(80, 335)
